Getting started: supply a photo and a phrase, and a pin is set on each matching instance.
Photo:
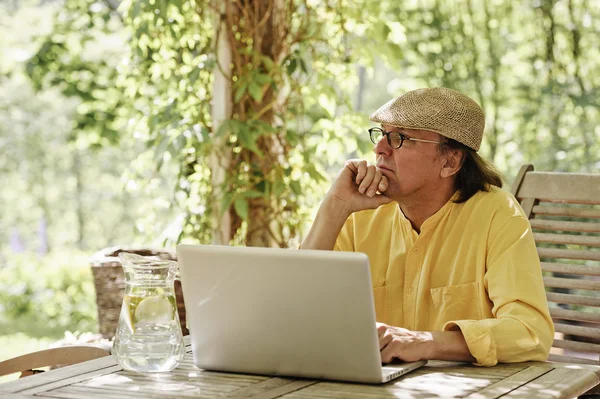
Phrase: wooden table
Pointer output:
(103, 378)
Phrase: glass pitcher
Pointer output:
(148, 337)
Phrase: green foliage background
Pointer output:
(49, 295)
(124, 90)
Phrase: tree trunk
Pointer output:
(221, 111)
(257, 30)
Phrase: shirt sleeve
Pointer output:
(345, 240)
(522, 329)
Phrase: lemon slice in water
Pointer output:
(152, 310)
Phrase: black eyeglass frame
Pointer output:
(400, 136)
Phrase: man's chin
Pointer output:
(391, 193)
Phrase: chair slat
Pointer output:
(566, 211)
(574, 315)
(580, 188)
(548, 198)
(519, 178)
(576, 345)
(570, 359)
(571, 239)
(572, 283)
(559, 225)
(51, 357)
(572, 299)
(570, 269)
(588, 332)
(568, 254)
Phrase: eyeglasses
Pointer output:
(394, 139)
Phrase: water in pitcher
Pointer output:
(148, 337)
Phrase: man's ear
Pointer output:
(452, 160)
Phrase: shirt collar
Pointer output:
(431, 221)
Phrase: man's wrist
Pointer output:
(429, 345)
(336, 208)
(446, 345)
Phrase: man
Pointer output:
(455, 271)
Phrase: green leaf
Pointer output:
(296, 188)
(247, 139)
(241, 208)
(267, 62)
(292, 66)
(364, 146)
(226, 202)
(162, 5)
(239, 92)
(136, 10)
(315, 174)
(262, 79)
(193, 76)
(252, 194)
(228, 126)
(278, 188)
(255, 92)
(303, 66)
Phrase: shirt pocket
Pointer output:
(456, 302)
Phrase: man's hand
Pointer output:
(354, 189)
(360, 186)
(403, 344)
(410, 346)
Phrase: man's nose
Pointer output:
(382, 147)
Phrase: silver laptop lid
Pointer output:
(281, 312)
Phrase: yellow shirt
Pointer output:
(474, 266)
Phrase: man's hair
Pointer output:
(475, 174)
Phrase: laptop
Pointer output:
(283, 312)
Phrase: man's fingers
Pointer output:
(361, 170)
(383, 184)
(385, 340)
(386, 354)
(374, 186)
(367, 180)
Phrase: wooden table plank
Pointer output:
(15, 396)
(264, 387)
(121, 385)
(426, 385)
(72, 380)
(511, 383)
(102, 378)
(468, 370)
(279, 392)
(71, 392)
(558, 383)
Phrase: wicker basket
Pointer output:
(110, 286)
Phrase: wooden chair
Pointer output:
(55, 357)
(564, 213)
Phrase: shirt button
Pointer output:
(410, 290)
(416, 250)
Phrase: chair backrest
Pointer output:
(564, 212)
(63, 356)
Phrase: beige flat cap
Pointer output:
(444, 111)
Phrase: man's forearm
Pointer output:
(330, 219)
(449, 345)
